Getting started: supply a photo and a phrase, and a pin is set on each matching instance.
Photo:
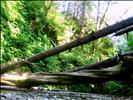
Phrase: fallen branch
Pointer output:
(80, 41)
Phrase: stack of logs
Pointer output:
(117, 68)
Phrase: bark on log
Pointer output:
(125, 30)
(80, 41)
(92, 76)
(12, 88)
(35, 80)
(103, 64)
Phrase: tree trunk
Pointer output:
(80, 41)
(125, 30)
(82, 21)
(85, 76)
(103, 16)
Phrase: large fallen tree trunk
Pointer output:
(36, 79)
(103, 32)
(66, 78)
(121, 72)
(103, 64)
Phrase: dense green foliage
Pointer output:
(28, 28)
(18, 39)
(34, 27)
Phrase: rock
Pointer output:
(50, 95)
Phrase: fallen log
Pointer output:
(12, 88)
(121, 72)
(101, 33)
(125, 30)
(103, 64)
(93, 76)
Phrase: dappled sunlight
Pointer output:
(16, 77)
(15, 31)
(66, 37)
(13, 11)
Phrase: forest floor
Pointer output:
(55, 95)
